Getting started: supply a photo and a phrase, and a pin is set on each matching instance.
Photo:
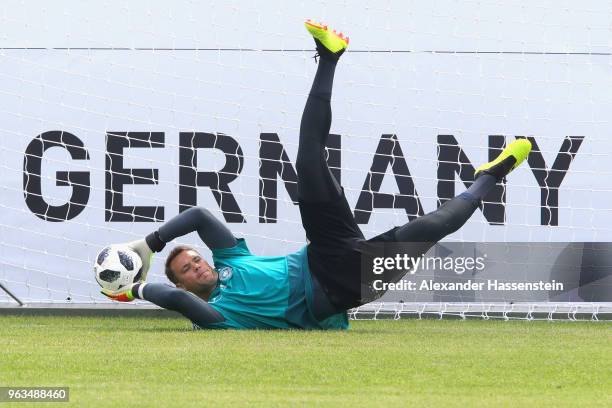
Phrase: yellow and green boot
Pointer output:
(509, 159)
(329, 42)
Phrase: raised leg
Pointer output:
(315, 181)
(453, 214)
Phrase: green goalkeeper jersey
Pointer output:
(267, 292)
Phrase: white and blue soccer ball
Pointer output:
(117, 266)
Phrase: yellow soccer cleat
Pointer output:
(509, 159)
(328, 41)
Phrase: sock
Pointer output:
(479, 189)
(324, 78)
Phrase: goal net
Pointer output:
(118, 116)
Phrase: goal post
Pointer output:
(109, 131)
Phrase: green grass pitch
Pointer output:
(123, 361)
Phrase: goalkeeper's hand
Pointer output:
(146, 255)
(124, 294)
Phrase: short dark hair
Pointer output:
(173, 254)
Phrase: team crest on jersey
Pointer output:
(225, 273)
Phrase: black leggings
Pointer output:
(335, 239)
(316, 183)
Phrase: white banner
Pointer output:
(444, 79)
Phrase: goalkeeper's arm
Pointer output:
(186, 303)
(212, 231)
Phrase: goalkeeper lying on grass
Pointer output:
(314, 287)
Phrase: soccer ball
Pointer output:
(117, 266)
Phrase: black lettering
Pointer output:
(453, 160)
(117, 177)
(388, 153)
(78, 180)
(218, 182)
(550, 180)
(274, 162)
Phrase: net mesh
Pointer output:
(110, 128)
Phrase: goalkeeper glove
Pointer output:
(125, 294)
(144, 248)
(145, 254)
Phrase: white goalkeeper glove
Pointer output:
(146, 255)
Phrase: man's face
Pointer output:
(193, 272)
